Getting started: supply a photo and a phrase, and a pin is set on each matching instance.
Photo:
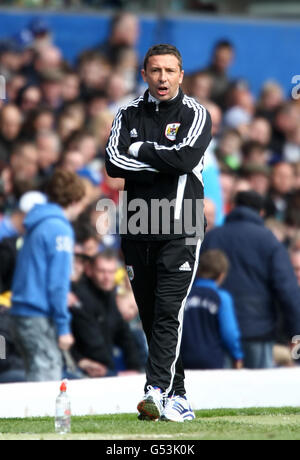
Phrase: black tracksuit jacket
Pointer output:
(160, 263)
(175, 135)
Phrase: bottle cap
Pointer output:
(63, 386)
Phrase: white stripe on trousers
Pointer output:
(180, 318)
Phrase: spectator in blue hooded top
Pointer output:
(40, 317)
(260, 274)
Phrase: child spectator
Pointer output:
(210, 326)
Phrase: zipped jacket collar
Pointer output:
(162, 106)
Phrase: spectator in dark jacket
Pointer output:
(260, 273)
(12, 367)
(8, 256)
(97, 323)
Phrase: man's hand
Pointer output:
(127, 373)
(134, 149)
(238, 364)
(65, 341)
(73, 300)
(92, 368)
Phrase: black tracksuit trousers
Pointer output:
(161, 275)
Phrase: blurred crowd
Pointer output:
(59, 115)
(64, 3)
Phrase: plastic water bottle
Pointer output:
(63, 411)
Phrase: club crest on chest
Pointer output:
(171, 131)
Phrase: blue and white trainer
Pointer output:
(177, 409)
(152, 405)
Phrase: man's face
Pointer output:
(103, 273)
(11, 123)
(25, 164)
(295, 259)
(283, 178)
(223, 58)
(163, 76)
(48, 151)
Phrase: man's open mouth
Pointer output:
(162, 90)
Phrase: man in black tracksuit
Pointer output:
(157, 144)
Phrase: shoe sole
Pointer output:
(148, 409)
(163, 418)
(145, 418)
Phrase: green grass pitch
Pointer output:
(231, 424)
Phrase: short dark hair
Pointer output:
(161, 49)
(108, 254)
(212, 264)
(84, 231)
(18, 146)
(250, 199)
(223, 44)
(249, 146)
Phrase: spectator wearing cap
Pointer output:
(260, 272)
(12, 369)
(24, 40)
(41, 32)
(11, 231)
(12, 225)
